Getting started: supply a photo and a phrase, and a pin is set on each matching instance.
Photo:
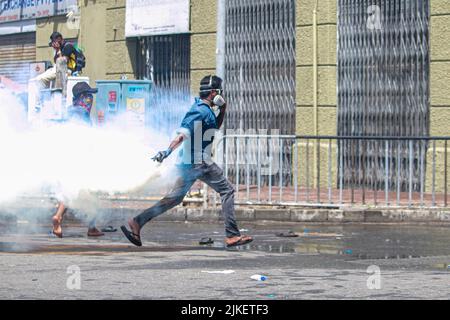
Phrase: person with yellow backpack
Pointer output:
(65, 53)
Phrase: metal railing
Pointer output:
(314, 171)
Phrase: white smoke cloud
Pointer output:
(70, 159)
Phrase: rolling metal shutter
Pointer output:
(166, 61)
(260, 65)
(383, 88)
(260, 82)
(16, 52)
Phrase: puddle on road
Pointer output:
(23, 248)
(442, 266)
(283, 248)
(336, 250)
(385, 257)
(374, 243)
(15, 247)
(108, 249)
(93, 249)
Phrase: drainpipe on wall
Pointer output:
(315, 71)
(220, 50)
(220, 72)
(315, 93)
(79, 30)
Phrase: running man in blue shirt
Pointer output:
(196, 135)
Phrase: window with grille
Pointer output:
(166, 61)
(260, 64)
(383, 87)
(259, 78)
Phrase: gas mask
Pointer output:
(217, 102)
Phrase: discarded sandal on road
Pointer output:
(206, 241)
(133, 238)
(289, 234)
(109, 229)
(238, 241)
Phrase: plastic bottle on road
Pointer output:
(259, 277)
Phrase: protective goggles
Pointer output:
(210, 89)
(219, 91)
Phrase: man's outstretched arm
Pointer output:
(162, 155)
(176, 142)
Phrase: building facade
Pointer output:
(288, 63)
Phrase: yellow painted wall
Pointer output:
(440, 67)
(440, 87)
(121, 51)
(327, 98)
(203, 41)
(326, 92)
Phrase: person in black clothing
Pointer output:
(64, 53)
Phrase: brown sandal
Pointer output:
(238, 241)
(132, 237)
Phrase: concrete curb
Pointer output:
(306, 215)
(302, 215)
(326, 216)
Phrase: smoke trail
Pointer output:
(70, 159)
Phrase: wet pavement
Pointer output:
(323, 262)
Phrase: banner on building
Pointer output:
(156, 17)
(17, 10)
(18, 27)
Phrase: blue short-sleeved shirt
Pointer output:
(198, 126)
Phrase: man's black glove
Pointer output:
(162, 155)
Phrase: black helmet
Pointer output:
(210, 83)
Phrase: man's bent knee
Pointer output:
(227, 192)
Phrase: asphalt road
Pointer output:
(324, 262)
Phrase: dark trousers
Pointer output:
(212, 175)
